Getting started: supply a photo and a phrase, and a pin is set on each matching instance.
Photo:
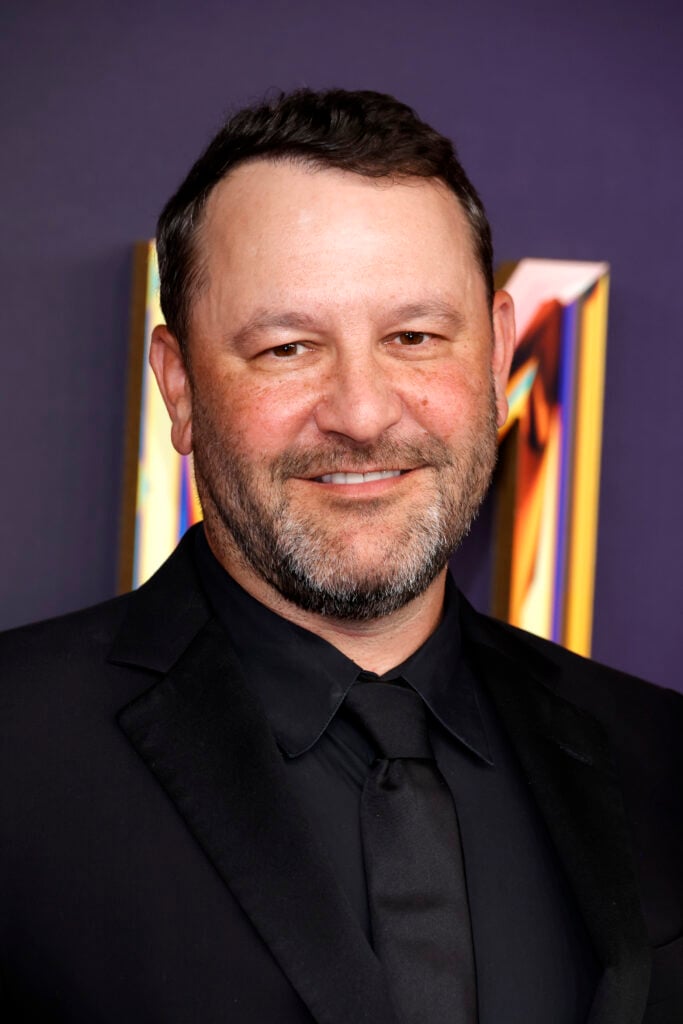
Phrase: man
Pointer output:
(191, 784)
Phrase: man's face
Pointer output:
(344, 385)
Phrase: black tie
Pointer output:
(413, 862)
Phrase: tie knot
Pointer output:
(392, 716)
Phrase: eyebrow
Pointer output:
(433, 309)
(266, 319)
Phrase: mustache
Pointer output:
(354, 458)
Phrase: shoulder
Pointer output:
(51, 670)
(60, 640)
(103, 656)
(86, 636)
(641, 714)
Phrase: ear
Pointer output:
(168, 363)
(504, 339)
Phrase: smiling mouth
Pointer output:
(358, 478)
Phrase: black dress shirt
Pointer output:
(530, 945)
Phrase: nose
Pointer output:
(360, 400)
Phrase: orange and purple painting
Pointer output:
(549, 475)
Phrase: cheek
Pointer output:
(451, 399)
(260, 418)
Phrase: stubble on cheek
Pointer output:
(253, 516)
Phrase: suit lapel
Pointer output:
(206, 739)
(569, 769)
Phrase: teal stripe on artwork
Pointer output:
(185, 497)
(523, 386)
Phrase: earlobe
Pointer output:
(169, 367)
(504, 340)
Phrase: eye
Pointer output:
(289, 349)
(412, 337)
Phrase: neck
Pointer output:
(377, 645)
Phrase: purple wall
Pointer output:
(569, 122)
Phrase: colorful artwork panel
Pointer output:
(161, 501)
(549, 475)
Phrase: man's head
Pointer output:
(343, 366)
(365, 133)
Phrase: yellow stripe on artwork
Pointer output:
(536, 608)
(159, 464)
(586, 471)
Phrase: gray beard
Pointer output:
(310, 567)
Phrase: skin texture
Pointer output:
(342, 327)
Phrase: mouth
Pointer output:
(358, 478)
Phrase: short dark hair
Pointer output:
(367, 133)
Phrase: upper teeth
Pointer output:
(358, 478)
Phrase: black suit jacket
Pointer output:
(154, 866)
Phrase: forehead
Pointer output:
(325, 234)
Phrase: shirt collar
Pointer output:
(302, 679)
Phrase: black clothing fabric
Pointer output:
(515, 883)
(157, 862)
(413, 861)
